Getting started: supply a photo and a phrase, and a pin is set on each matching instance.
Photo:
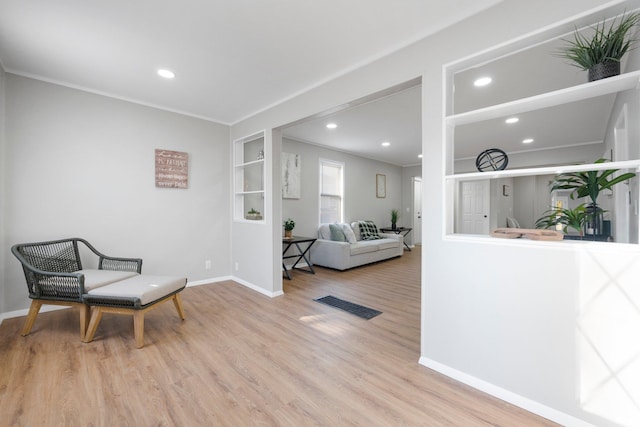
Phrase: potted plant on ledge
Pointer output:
(289, 225)
(601, 54)
(568, 218)
(590, 184)
(253, 215)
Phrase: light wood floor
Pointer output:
(243, 359)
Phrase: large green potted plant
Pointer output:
(601, 54)
(590, 184)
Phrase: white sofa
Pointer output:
(344, 255)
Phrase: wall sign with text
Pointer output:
(172, 169)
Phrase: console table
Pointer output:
(404, 231)
(301, 255)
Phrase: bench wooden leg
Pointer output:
(138, 317)
(138, 327)
(34, 309)
(177, 301)
(96, 316)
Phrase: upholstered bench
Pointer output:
(135, 295)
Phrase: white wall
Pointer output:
(508, 317)
(631, 100)
(3, 190)
(359, 193)
(80, 164)
(502, 206)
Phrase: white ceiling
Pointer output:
(362, 129)
(232, 58)
(237, 57)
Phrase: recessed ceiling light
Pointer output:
(512, 120)
(419, 156)
(386, 144)
(527, 141)
(167, 74)
(331, 125)
(482, 81)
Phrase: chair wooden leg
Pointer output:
(34, 309)
(84, 319)
(96, 316)
(178, 303)
(138, 327)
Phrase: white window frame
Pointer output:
(341, 165)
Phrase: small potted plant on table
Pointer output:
(395, 214)
(289, 225)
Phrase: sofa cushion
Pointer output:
(387, 243)
(356, 230)
(348, 233)
(363, 247)
(337, 234)
(324, 232)
(368, 230)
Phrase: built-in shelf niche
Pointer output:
(249, 178)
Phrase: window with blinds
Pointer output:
(331, 191)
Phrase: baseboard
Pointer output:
(257, 288)
(506, 395)
(25, 311)
(208, 281)
(299, 265)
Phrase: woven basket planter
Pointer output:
(604, 70)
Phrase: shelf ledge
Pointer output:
(553, 170)
(550, 99)
(253, 162)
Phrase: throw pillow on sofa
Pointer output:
(348, 233)
(368, 230)
(336, 233)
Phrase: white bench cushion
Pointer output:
(146, 288)
(96, 278)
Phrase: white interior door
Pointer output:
(417, 211)
(474, 203)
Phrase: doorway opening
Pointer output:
(355, 139)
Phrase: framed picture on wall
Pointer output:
(290, 175)
(381, 186)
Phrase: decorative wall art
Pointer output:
(381, 186)
(290, 176)
(172, 169)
